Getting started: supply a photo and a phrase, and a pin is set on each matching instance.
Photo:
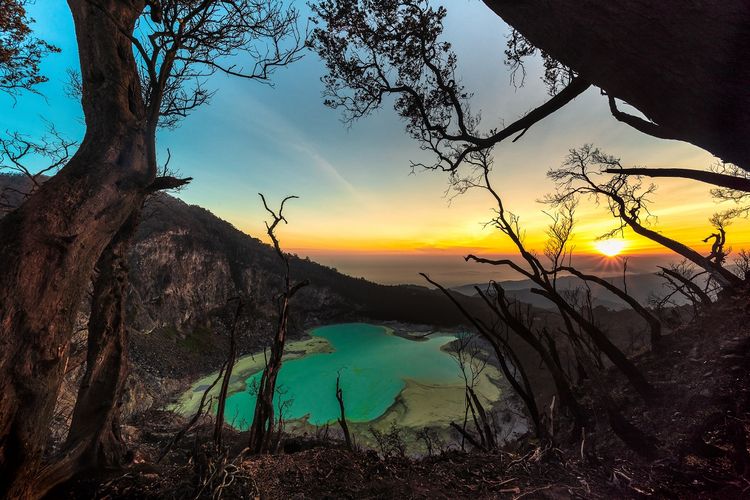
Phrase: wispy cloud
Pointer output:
(278, 129)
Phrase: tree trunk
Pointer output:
(261, 430)
(94, 439)
(49, 246)
(683, 65)
(615, 355)
(558, 375)
(342, 418)
(219, 424)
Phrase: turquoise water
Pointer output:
(373, 366)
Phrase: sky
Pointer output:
(361, 209)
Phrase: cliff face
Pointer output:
(185, 266)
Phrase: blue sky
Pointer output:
(357, 194)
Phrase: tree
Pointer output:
(374, 49)
(627, 200)
(261, 430)
(472, 362)
(231, 356)
(51, 244)
(20, 53)
(342, 414)
(636, 52)
(378, 49)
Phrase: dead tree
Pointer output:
(261, 430)
(681, 279)
(231, 356)
(472, 362)
(203, 405)
(342, 417)
(653, 322)
(549, 354)
(510, 363)
(542, 277)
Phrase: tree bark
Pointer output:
(683, 65)
(50, 245)
(261, 430)
(94, 440)
(713, 178)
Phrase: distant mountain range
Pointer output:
(641, 286)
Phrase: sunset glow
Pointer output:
(610, 247)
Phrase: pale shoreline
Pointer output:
(416, 406)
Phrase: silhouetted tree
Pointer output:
(342, 414)
(631, 51)
(377, 49)
(261, 430)
(582, 174)
(231, 357)
(20, 53)
(469, 357)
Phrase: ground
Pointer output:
(700, 426)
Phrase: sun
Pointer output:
(611, 247)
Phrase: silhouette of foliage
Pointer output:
(20, 53)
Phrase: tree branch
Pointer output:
(639, 124)
(168, 182)
(713, 178)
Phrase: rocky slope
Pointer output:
(186, 264)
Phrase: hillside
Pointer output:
(186, 263)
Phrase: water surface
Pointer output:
(374, 365)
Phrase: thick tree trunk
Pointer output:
(682, 64)
(49, 246)
(94, 439)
